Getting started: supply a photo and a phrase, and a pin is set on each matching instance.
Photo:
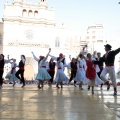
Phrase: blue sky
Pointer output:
(78, 14)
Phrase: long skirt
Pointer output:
(98, 81)
(43, 75)
(11, 76)
(61, 77)
(80, 76)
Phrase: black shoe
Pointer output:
(81, 88)
(39, 87)
(57, 86)
(13, 84)
(92, 92)
(75, 85)
(115, 93)
(88, 88)
(108, 87)
(23, 85)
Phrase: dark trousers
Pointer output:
(51, 73)
(99, 73)
(1, 77)
(20, 75)
(73, 74)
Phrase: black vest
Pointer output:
(100, 63)
(73, 66)
(2, 63)
(52, 66)
(21, 64)
(110, 57)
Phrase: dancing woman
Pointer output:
(81, 69)
(62, 57)
(20, 73)
(42, 71)
(91, 73)
(11, 75)
(60, 76)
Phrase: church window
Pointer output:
(36, 14)
(29, 34)
(30, 14)
(57, 42)
(24, 14)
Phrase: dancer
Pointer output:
(42, 71)
(51, 70)
(100, 64)
(81, 69)
(91, 73)
(109, 59)
(11, 75)
(61, 56)
(2, 63)
(60, 76)
(20, 73)
(73, 66)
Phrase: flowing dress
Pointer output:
(91, 72)
(42, 71)
(60, 75)
(80, 75)
(12, 72)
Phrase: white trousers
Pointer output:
(111, 71)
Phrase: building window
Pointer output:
(99, 41)
(93, 37)
(93, 32)
(36, 14)
(30, 14)
(24, 13)
(29, 35)
(0, 39)
(57, 42)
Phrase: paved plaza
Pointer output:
(48, 103)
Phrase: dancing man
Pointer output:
(73, 66)
(100, 64)
(109, 59)
(51, 70)
(2, 63)
(20, 73)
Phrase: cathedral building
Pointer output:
(30, 27)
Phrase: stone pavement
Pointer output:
(70, 103)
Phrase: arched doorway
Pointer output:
(29, 72)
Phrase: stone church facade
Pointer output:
(30, 27)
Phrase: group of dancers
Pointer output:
(85, 69)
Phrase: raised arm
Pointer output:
(70, 57)
(37, 59)
(53, 57)
(7, 61)
(117, 51)
(47, 54)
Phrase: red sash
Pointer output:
(21, 68)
